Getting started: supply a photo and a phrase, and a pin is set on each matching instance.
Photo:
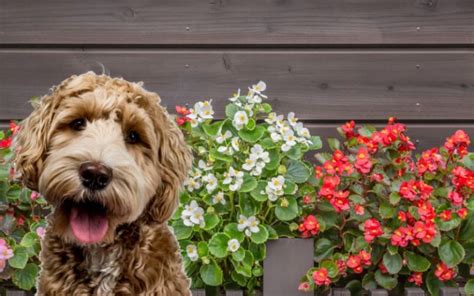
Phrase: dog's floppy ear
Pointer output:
(175, 161)
(32, 140)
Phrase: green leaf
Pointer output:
(218, 245)
(385, 281)
(203, 249)
(451, 252)
(469, 287)
(289, 188)
(29, 239)
(239, 254)
(211, 274)
(261, 236)
(211, 221)
(295, 153)
(433, 284)
(26, 278)
(181, 231)
(267, 108)
(334, 144)
(468, 161)
(250, 183)
(230, 110)
(393, 263)
(386, 210)
(213, 129)
(368, 282)
(449, 225)
(252, 136)
(251, 124)
(392, 249)
(417, 262)
(20, 258)
(394, 198)
(258, 193)
(233, 232)
(316, 143)
(331, 267)
(220, 156)
(296, 171)
(238, 278)
(366, 130)
(323, 249)
(289, 212)
(267, 143)
(274, 160)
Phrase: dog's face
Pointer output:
(103, 152)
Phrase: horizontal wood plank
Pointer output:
(237, 22)
(317, 85)
(424, 136)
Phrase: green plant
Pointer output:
(245, 187)
(383, 218)
(21, 221)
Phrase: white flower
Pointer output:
(233, 245)
(219, 198)
(234, 178)
(222, 137)
(248, 225)
(240, 119)
(252, 99)
(290, 140)
(274, 188)
(235, 97)
(235, 143)
(250, 163)
(292, 119)
(302, 131)
(193, 215)
(211, 182)
(273, 118)
(259, 88)
(204, 109)
(204, 166)
(192, 184)
(191, 251)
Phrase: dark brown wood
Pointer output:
(242, 22)
(316, 84)
(287, 260)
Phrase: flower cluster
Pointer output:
(398, 218)
(247, 184)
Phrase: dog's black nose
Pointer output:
(94, 175)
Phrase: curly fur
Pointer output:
(139, 254)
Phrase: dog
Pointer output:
(111, 162)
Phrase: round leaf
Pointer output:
(218, 245)
(20, 258)
(417, 262)
(393, 263)
(261, 236)
(211, 274)
(289, 212)
(296, 171)
(26, 278)
(451, 253)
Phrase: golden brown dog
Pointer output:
(111, 162)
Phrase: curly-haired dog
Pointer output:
(110, 161)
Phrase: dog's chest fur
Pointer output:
(143, 260)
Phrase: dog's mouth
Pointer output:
(88, 221)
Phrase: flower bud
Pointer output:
(282, 170)
(284, 203)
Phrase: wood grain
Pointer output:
(237, 22)
(317, 84)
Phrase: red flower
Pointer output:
(402, 236)
(341, 266)
(446, 215)
(458, 143)
(329, 185)
(353, 261)
(348, 129)
(411, 189)
(365, 258)
(340, 202)
(6, 143)
(402, 216)
(462, 213)
(456, 198)
(338, 164)
(14, 128)
(359, 210)
(320, 277)
(318, 171)
(182, 110)
(307, 200)
(363, 163)
(20, 220)
(376, 177)
(416, 278)
(463, 178)
(372, 230)
(444, 273)
(424, 231)
(304, 286)
(429, 161)
(426, 211)
(309, 227)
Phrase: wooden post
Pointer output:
(234, 293)
(198, 292)
(449, 291)
(378, 292)
(414, 292)
(340, 292)
(287, 261)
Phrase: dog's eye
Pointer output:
(78, 124)
(133, 137)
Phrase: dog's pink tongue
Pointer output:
(88, 226)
